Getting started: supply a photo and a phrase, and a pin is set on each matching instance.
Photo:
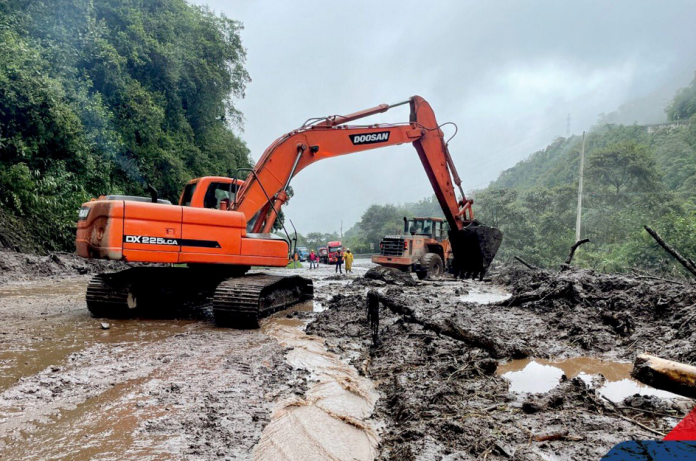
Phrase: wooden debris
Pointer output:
(687, 263)
(525, 263)
(373, 316)
(572, 252)
(667, 375)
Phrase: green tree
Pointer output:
(102, 96)
(623, 167)
(683, 105)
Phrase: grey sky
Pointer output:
(506, 72)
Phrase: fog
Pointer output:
(508, 73)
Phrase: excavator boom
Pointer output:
(474, 246)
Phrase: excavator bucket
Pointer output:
(474, 248)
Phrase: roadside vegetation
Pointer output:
(103, 96)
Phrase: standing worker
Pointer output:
(313, 260)
(348, 257)
(339, 262)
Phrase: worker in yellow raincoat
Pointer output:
(348, 259)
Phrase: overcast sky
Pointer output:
(508, 73)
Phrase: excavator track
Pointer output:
(107, 296)
(241, 302)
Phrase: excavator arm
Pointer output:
(266, 186)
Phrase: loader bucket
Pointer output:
(474, 248)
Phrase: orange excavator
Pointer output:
(222, 226)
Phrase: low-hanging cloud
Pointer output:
(507, 72)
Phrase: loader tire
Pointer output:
(431, 266)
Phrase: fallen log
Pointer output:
(526, 264)
(667, 375)
(448, 327)
(687, 263)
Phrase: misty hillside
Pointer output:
(635, 175)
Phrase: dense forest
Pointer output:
(103, 96)
(634, 175)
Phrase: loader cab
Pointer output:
(434, 228)
(214, 192)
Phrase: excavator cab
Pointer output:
(219, 191)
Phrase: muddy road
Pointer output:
(527, 367)
(170, 388)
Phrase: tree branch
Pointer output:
(572, 250)
(668, 248)
(525, 263)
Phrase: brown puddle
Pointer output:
(35, 290)
(331, 421)
(105, 426)
(51, 343)
(539, 376)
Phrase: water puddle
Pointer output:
(39, 291)
(488, 296)
(50, 343)
(537, 376)
(331, 421)
(106, 427)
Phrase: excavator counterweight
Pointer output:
(222, 226)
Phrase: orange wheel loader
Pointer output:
(222, 226)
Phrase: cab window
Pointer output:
(216, 193)
(188, 194)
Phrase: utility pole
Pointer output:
(582, 168)
(341, 229)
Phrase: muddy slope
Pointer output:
(435, 363)
(18, 267)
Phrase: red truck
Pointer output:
(334, 247)
(323, 254)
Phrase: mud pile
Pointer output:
(437, 355)
(23, 266)
(389, 276)
(603, 312)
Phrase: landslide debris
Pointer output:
(604, 312)
(437, 353)
(17, 267)
(390, 276)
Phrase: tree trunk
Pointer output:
(667, 375)
(668, 248)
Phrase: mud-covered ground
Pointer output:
(435, 363)
(141, 389)
(167, 388)
(17, 267)
(431, 389)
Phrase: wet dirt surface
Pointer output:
(310, 384)
(435, 366)
(142, 389)
(331, 420)
(166, 388)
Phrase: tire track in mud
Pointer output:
(192, 394)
